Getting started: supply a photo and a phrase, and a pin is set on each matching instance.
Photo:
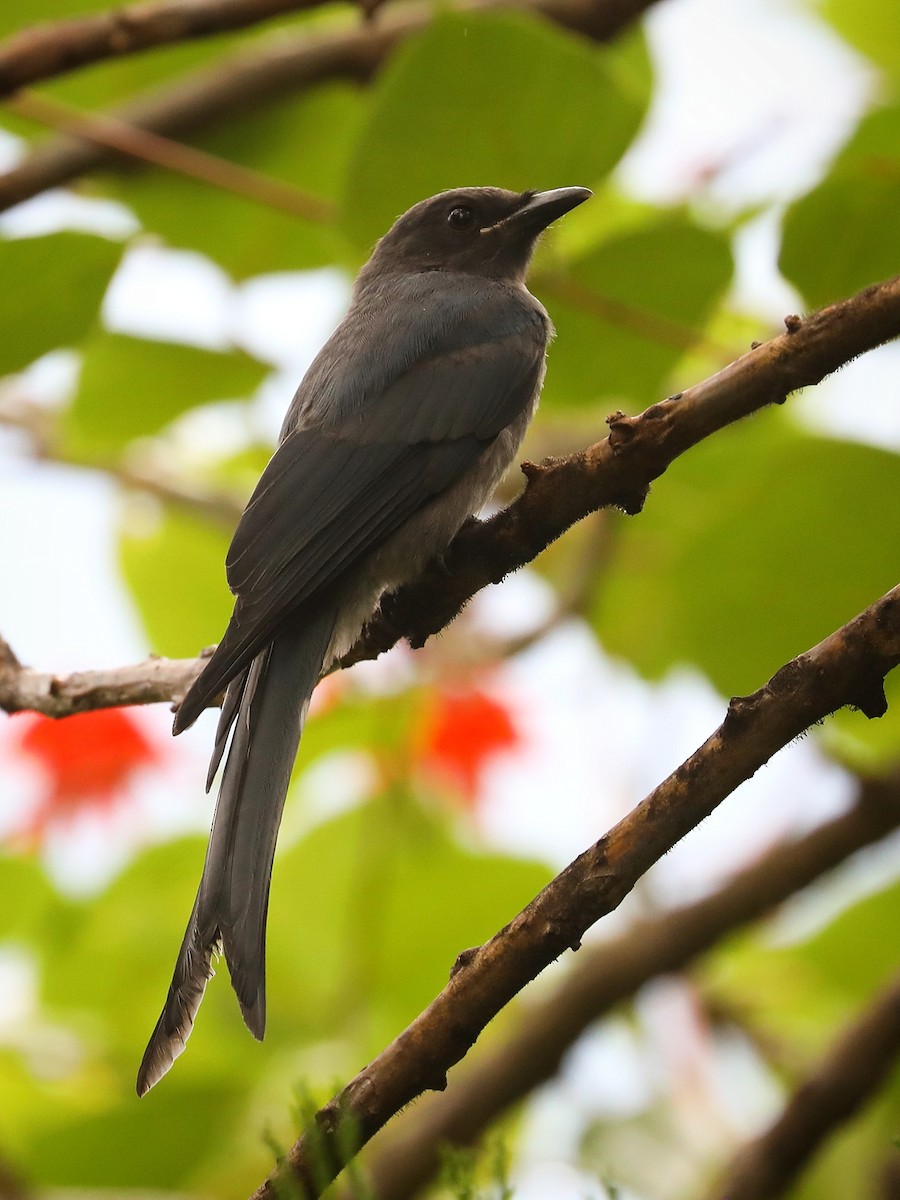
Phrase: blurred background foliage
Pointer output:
(752, 548)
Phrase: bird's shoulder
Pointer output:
(412, 321)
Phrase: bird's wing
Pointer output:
(331, 495)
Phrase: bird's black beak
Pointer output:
(540, 209)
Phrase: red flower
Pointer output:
(461, 732)
(88, 761)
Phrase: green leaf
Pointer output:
(115, 80)
(32, 913)
(872, 26)
(862, 934)
(301, 141)
(627, 312)
(176, 573)
(502, 99)
(131, 387)
(751, 549)
(157, 1143)
(369, 913)
(860, 198)
(17, 17)
(804, 990)
(52, 289)
(867, 746)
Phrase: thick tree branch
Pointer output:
(58, 47)
(619, 470)
(603, 976)
(285, 67)
(851, 1072)
(616, 471)
(847, 668)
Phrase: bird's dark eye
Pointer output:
(460, 217)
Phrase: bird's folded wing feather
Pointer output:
(332, 493)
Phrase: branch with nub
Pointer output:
(616, 471)
(847, 668)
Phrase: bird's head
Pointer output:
(478, 230)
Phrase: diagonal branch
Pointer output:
(58, 47)
(606, 974)
(285, 67)
(847, 668)
(847, 1077)
(616, 471)
(109, 133)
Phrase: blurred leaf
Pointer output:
(861, 198)
(155, 1144)
(369, 912)
(630, 309)
(116, 80)
(804, 991)
(360, 722)
(872, 26)
(752, 548)
(52, 289)
(302, 141)
(850, 1161)
(130, 387)
(860, 935)
(29, 905)
(867, 746)
(23, 15)
(502, 99)
(176, 572)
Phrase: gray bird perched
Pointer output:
(399, 431)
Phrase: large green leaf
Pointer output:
(369, 912)
(17, 17)
(751, 549)
(130, 387)
(502, 99)
(52, 289)
(800, 996)
(156, 1144)
(861, 935)
(176, 572)
(626, 312)
(35, 917)
(844, 234)
(118, 79)
(804, 990)
(872, 26)
(302, 141)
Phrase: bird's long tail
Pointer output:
(268, 705)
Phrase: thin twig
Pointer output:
(602, 976)
(847, 668)
(618, 471)
(112, 133)
(22, 689)
(848, 1076)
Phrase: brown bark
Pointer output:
(847, 668)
